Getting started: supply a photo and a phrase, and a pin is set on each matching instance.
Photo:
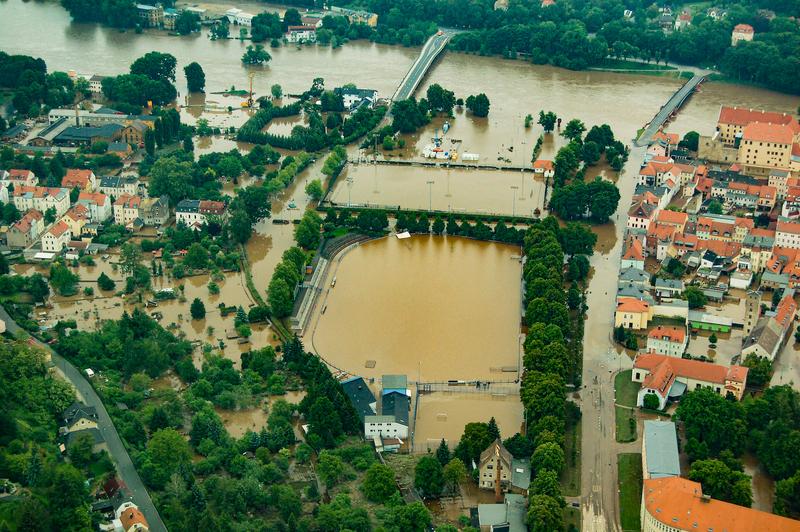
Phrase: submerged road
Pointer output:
(430, 51)
(127, 472)
(601, 362)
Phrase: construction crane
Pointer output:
(249, 102)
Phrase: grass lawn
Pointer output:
(626, 424)
(571, 476)
(630, 490)
(626, 389)
(624, 64)
(572, 516)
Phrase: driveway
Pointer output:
(116, 449)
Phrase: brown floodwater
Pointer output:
(763, 484)
(434, 308)
(444, 414)
(451, 190)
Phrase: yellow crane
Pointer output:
(249, 102)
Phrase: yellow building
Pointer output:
(765, 147)
(632, 313)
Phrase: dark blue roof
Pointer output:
(396, 404)
(360, 395)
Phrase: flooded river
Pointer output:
(434, 308)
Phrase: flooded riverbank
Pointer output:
(443, 189)
(434, 308)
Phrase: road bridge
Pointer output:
(673, 104)
(430, 51)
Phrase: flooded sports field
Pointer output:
(442, 189)
(434, 308)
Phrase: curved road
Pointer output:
(432, 48)
(125, 469)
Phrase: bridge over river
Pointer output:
(673, 104)
(430, 51)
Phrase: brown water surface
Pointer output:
(434, 308)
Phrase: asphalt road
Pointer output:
(429, 52)
(126, 470)
(665, 111)
(601, 362)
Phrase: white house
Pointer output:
(667, 340)
(117, 186)
(544, 168)
(301, 34)
(354, 98)
(98, 204)
(237, 16)
(56, 238)
(196, 213)
(393, 423)
(126, 209)
(41, 199)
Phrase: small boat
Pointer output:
(292, 205)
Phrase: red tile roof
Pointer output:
(668, 333)
(766, 132)
(631, 304)
(672, 217)
(634, 250)
(678, 503)
(58, 229)
(785, 311)
(544, 164)
(663, 370)
(740, 116)
(93, 197)
(76, 178)
(743, 28)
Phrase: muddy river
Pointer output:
(434, 308)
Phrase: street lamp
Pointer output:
(514, 188)
(430, 195)
(349, 180)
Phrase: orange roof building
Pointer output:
(667, 340)
(669, 377)
(82, 179)
(678, 504)
(632, 313)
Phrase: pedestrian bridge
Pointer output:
(430, 51)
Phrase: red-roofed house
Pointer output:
(126, 209)
(22, 177)
(99, 205)
(84, 180)
(771, 331)
(732, 121)
(633, 256)
(26, 230)
(742, 32)
(641, 214)
(669, 377)
(667, 340)
(76, 217)
(131, 518)
(787, 234)
(56, 238)
(544, 168)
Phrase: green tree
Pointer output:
(196, 257)
(440, 99)
(156, 66)
(429, 477)
(438, 225)
(197, 309)
(547, 120)
(379, 484)
(715, 207)
(695, 297)
(80, 450)
(63, 280)
(255, 55)
(150, 142)
(760, 370)
(104, 282)
(547, 483)
(307, 232)
(454, 473)
(443, 453)
(314, 189)
(167, 453)
(691, 141)
(479, 105)
(186, 23)
(276, 91)
(721, 482)
(195, 77)
(574, 130)
(544, 514)
(279, 297)
(548, 456)
(330, 468)
(651, 401)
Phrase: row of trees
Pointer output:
(551, 359)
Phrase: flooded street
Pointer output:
(450, 189)
(433, 308)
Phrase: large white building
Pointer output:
(237, 16)
(41, 199)
(98, 205)
(196, 213)
(56, 238)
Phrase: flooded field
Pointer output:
(444, 414)
(434, 308)
(441, 189)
